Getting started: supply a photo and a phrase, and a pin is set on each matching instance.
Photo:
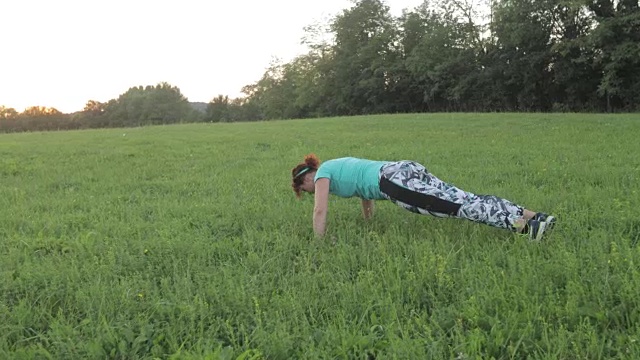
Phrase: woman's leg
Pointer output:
(409, 185)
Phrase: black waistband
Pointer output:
(417, 199)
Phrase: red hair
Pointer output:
(311, 162)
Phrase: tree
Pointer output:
(218, 109)
(7, 113)
(445, 54)
(575, 75)
(522, 55)
(365, 50)
(38, 111)
(94, 107)
(617, 40)
(277, 92)
(160, 104)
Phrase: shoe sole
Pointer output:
(551, 223)
(542, 227)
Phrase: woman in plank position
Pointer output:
(409, 185)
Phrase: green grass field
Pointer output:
(186, 242)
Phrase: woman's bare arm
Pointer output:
(320, 208)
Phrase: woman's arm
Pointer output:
(367, 209)
(320, 207)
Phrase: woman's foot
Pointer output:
(537, 226)
(549, 219)
(534, 229)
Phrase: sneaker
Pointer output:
(535, 229)
(549, 219)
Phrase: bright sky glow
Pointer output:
(63, 53)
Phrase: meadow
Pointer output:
(187, 242)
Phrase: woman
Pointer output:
(409, 185)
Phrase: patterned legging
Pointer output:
(409, 185)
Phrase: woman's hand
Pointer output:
(367, 209)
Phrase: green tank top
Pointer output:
(351, 176)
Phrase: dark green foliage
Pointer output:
(139, 106)
(442, 56)
(530, 55)
(162, 104)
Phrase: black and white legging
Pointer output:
(409, 185)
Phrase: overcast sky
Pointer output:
(62, 53)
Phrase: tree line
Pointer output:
(138, 106)
(444, 55)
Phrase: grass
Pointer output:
(186, 242)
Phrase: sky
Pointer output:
(64, 53)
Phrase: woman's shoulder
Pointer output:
(346, 159)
